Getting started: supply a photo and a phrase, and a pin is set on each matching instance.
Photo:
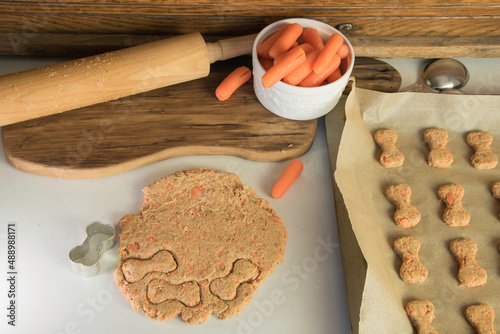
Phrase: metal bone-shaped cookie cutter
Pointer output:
(85, 258)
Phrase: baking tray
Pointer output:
(371, 268)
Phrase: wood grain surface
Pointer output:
(24, 25)
(180, 120)
(82, 45)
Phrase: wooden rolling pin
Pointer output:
(61, 87)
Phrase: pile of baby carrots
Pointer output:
(294, 55)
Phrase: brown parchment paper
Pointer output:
(362, 181)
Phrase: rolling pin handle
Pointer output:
(230, 48)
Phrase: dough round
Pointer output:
(202, 245)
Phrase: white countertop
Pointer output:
(50, 216)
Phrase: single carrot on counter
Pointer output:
(312, 37)
(301, 72)
(286, 40)
(315, 79)
(264, 47)
(291, 61)
(291, 173)
(331, 47)
(232, 82)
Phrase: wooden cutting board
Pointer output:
(181, 120)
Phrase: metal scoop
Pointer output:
(441, 76)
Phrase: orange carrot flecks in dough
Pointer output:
(406, 215)
(470, 274)
(390, 157)
(421, 314)
(454, 214)
(481, 317)
(412, 270)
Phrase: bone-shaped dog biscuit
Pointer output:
(406, 215)
(225, 287)
(483, 158)
(454, 214)
(390, 156)
(421, 314)
(481, 317)
(495, 190)
(412, 270)
(160, 290)
(470, 274)
(135, 269)
(438, 156)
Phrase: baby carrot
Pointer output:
(293, 59)
(344, 65)
(311, 36)
(331, 47)
(315, 79)
(343, 51)
(286, 40)
(334, 76)
(286, 179)
(263, 48)
(266, 63)
(232, 82)
(306, 47)
(298, 74)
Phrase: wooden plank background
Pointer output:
(377, 28)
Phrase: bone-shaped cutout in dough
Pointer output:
(412, 270)
(470, 274)
(135, 269)
(390, 156)
(438, 156)
(160, 290)
(406, 215)
(482, 158)
(481, 317)
(421, 314)
(225, 287)
(454, 214)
